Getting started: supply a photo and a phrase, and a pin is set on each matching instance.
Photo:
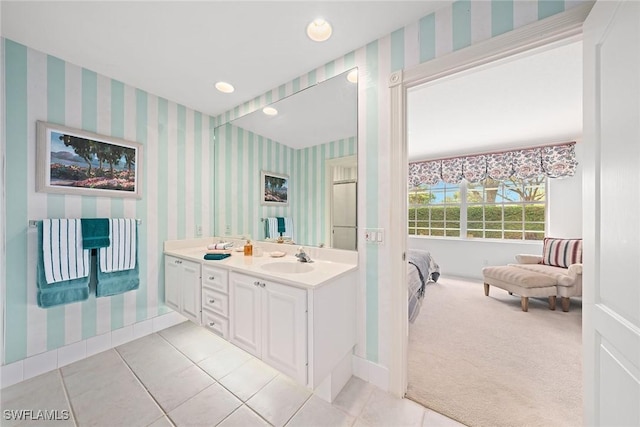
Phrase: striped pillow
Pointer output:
(561, 252)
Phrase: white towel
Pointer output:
(121, 254)
(272, 227)
(63, 255)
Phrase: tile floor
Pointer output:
(187, 376)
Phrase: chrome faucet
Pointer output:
(302, 255)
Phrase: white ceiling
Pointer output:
(528, 100)
(178, 49)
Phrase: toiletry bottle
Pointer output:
(248, 248)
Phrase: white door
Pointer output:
(611, 300)
(190, 287)
(172, 282)
(284, 318)
(246, 308)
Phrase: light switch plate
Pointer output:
(374, 235)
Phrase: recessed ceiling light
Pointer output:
(353, 76)
(319, 30)
(224, 87)
(270, 111)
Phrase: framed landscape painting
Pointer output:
(73, 161)
(275, 189)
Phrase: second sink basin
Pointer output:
(288, 267)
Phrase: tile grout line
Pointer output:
(298, 410)
(143, 386)
(216, 381)
(67, 397)
(229, 373)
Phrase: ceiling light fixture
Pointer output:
(319, 30)
(270, 111)
(353, 76)
(224, 87)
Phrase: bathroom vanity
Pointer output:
(297, 317)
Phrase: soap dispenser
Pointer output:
(248, 248)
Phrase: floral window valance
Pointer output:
(557, 161)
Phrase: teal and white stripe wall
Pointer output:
(176, 192)
(451, 28)
(241, 155)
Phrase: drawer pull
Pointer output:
(211, 301)
(178, 262)
(212, 278)
(212, 324)
(256, 283)
(263, 284)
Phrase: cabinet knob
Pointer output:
(211, 301)
(211, 324)
(263, 284)
(256, 283)
(212, 278)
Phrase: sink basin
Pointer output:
(288, 267)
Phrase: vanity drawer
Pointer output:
(215, 323)
(215, 278)
(215, 301)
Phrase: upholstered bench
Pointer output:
(522, 282)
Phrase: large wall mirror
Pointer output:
(295, 159)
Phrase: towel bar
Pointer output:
(34, 222)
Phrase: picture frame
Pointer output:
(74, 161)
(275, 189)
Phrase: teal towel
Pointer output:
(281, 227)
(58, 293)
(117, 282)
(95, 233)
(210, 257)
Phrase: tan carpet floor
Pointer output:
(484, 362)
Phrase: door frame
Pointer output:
(563, 26)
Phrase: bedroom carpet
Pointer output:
(484, 362)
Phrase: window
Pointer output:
(512, 209)
(434, 210)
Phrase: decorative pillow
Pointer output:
(561, 252)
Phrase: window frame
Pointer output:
(464, 230)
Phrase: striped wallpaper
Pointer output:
(176, 194)
(179, 169)
(459, 25)
(241, 155)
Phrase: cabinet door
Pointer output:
(172, 282)
(245, 312)
(191, 293)
(284, 320)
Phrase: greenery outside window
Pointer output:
(511, 209)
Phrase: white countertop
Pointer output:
(322, 271)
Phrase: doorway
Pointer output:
(562, 27)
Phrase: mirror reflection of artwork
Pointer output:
(275, 189)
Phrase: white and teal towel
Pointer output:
(271, 228)
(63, 255)
(121, 254)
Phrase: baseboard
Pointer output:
(38, 364)
(371, 372)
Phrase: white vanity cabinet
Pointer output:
(215, 300)
(182, 286)
(269, 320)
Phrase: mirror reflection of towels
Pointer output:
(272, 228)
